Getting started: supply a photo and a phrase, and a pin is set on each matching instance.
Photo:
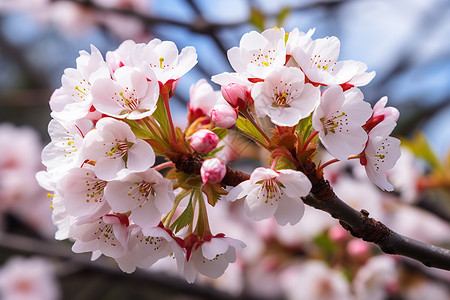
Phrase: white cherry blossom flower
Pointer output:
(202, 99)
(285, 97)
(83, 193)
(319, 62)
(258, 53)
(147, 248)
(212, 257)
(298, 39)
(109, 235)
(273, 193)
(116, 149)
(74, 99)
(132, 94)
(339, 119)
(163, 59)
(62, 152)
(381, 154)
(147, 195)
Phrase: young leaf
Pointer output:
(220, 132)
(250, 131)
(161, 116)
(185, 218)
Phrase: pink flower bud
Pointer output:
(204, 141)
(213, 170)
(224, 116)
(358, 249)
(337, 234)
(236, 95)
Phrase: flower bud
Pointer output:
(358, 249)
(204, 141)
(213, 170)
(236, 95)
(224, 116)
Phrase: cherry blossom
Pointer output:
(147, 247)
(259, 53)
(381, 154)
(108, 234)
(116, 149)
(67, 138)
(211, 257)
(28, 278)
(285, 97)
(132, 94)
(83, 193)
(339, 119)
(273, 193)
(298, 39)
(147, 195)
(202, 99)
(319, 62)
(163, 58)
(74, 99)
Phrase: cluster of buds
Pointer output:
(112, 118)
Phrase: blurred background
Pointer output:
(407, 44)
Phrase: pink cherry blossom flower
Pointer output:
(339, 119)
(116, 149)
(74, 99)
(147, 195)
(147, 248)
(298, 39)
(273, 193)
(83, 193)
(202, 99)
(213, 170)
(381, 154)
(28, 279)
(319, 62)
(109, 235)
(132, 94)
(381, 113)
(121, 56)
(211, 257)
(259, 53)
(285, 97)
(67, 137)
(204, 141)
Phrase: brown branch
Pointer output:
(359, 224)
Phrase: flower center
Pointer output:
(270, 191)
(335, 123)
(324, 64)
(263, 59)
(95, 190)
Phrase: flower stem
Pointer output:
(310, 138)
(321, 167)
(167, 164)
(165, 97)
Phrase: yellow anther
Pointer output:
(50, 195)
(265, 63)
(78, 89)
(325, 67)
(70, 143)
(161, 59)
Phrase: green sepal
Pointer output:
(220, 132)
(213, 192)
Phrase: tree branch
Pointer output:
(359, 224)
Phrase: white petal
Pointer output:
(296, 183)
(214, 247)
(290, 210)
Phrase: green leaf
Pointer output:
(304, 128)
(257, 18)
(220, 132)
(185, 218)
(420, 147)
(250, 131)
(160, 115)
(282, 15)
(284, 163)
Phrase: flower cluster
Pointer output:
(112, 119)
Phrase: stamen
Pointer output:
(161, 59)
(78, 88)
